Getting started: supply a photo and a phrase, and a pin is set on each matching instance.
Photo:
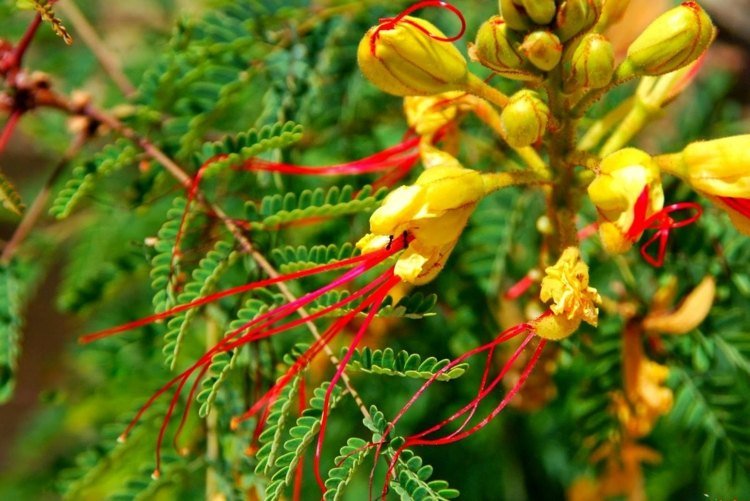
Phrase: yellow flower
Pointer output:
(432, 213)
(623, 178)
(566, 284)
(718, 169)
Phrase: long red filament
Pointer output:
(391, 22)
(454, 437)
(377, 300)
(377, 255)
(261, 327)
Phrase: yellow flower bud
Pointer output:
(623, 176)
(566, 284)
(612, 11)
(495, 49)
(514, 16)
(673, 40)
(543, 49)
(405, 58)
(434, 211)
(555, 327)
(524, 119)
(592, 64)
(540, 11)
(575, 16)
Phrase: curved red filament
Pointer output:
(661, 221)
(390, 23)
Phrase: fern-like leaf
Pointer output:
(301, 436)
(291, 259)
(9, 196)
(11, 323)
(234, 150)
(270, 439)
(84, 177)
(203, 282)
(351, 456)
(403, 364)
(280, 209)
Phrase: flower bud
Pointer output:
(612, 11)
(623, 177)
(673, 40)
(543, 49)
(575, 16)
(592, 64)
(514, 16)
(494, 49)
(405, 59)
(540, 11)
(524, 119)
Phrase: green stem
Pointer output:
(494, 181)
(596, 132)
(478, 87)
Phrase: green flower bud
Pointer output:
(494, 49)
(672, 41)
(575, 16)
(543, 49)
(524, 119)
(540, 11)
(514, 16)
(612, 11)
(405, 60)
(592, 64)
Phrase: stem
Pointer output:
(478, 87)
(212, 437)
(23, 44)
(631, 125)
(108, 61)
(32, 215)
(8, 129)
(599, 129)
(494, 181)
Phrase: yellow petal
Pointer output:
(688, 315)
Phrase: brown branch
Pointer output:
(31, 217)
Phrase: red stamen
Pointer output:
(377, 255)
(516, 290)
(378, 298)
(10, 126)
(391, 22)
(460, 434)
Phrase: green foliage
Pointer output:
(291, 259)
(11, 323)
(84, 177)
(9, 196)
(204, 279)
(275, 210)
(234, 150)
(301, 435)
(350, 458)
(403, 364)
